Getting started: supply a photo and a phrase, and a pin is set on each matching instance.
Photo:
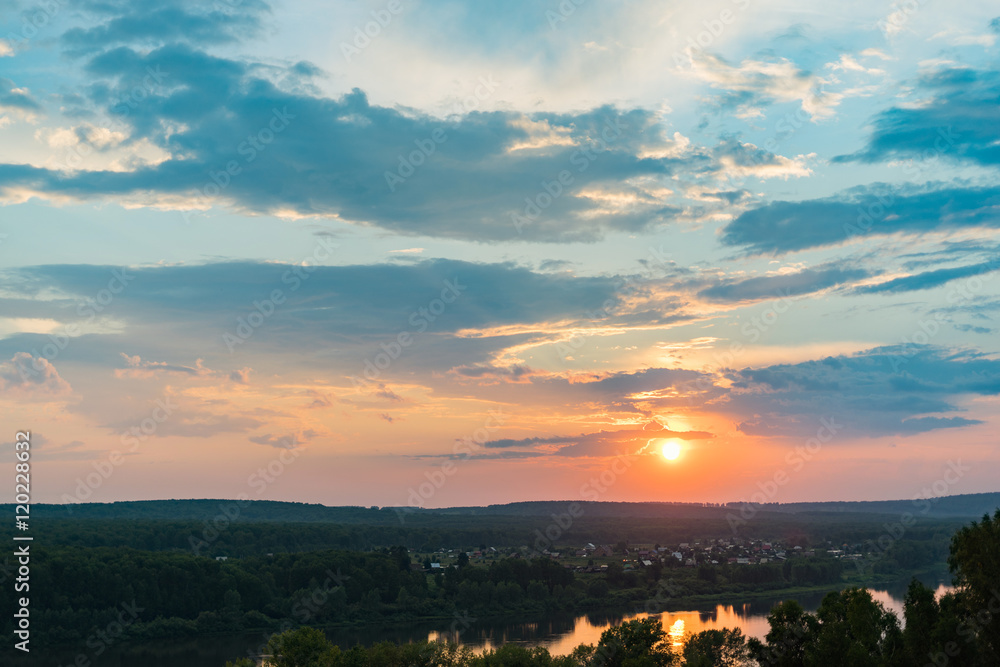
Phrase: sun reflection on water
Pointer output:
(676, 633)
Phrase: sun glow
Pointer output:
(671, 450)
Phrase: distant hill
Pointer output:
(960, 506)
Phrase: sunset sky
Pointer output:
(451, 253)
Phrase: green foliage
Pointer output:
(792, 630)
(717, 648)
(304, 647)
(975, 560)
(638, 643)
(854, 631)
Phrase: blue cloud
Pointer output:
(959, 122)
(791, 284)
(896, 390)
(929, 279)
(157, 23)
(877, 210)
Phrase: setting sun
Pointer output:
(671, 450)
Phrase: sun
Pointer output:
(671, 450)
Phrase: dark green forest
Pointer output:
(177, 577)
(849, 629)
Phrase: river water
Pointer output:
(560, 634)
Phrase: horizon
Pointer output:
(731, 503)
(448, 255)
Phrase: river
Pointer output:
(560, 634)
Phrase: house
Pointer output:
(604, 551)
(222, 558)
(435, 566)
(647, 563)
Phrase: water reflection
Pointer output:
(676, 633)
(559, 633)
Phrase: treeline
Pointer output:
(849, 628)
(223, 535)
(968, 505)
(77, 592)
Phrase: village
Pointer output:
(592, 557)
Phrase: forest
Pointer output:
(850, 628)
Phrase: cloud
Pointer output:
(599, 444)
(288, 441)
(929, 279)
(241, 376)
(258, 138)
(137, 368)
(957, 122)
(164, 22)
(388, 394)
(71, 451)
(894, 390)
(27, 375)
(16, 103)
(783, 285)
(350, 300)
(763, 83)
(876, 210)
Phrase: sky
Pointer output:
(443, 253)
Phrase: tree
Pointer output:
(638, 643)
(975, 562)
(717, 648)
(855, 631)
(304, 647)
(463, 559)
(792, 630)
(921, 612)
